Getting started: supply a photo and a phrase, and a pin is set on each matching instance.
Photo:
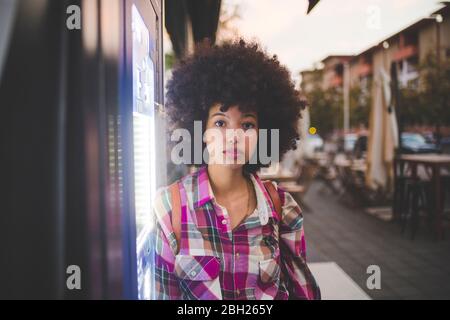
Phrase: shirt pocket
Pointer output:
(263, 242)
(199, 277)
(268, 280)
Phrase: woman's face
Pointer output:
(231, 136)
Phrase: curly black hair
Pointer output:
(236, 73)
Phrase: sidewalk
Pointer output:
(353, 239)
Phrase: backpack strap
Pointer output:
(176, 211)
(276, 201)
(275, 196)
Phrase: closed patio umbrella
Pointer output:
(383, 137)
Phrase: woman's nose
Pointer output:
(232, 136)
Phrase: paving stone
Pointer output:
(418, 269)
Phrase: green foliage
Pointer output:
(429, 103)
(411, 110)
(426, 104)
(435, 90)
(325, 109)
(360, 103)
(169, 59)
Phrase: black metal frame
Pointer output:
(65, 182)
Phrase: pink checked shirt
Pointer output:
(216, 262)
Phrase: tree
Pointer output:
(326, 106)
(169, 59)
(411, 110)
(360, 101)
(435, 90)
(325, 109)
(428, 104)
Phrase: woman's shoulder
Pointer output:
(280, 190)
(163, 198)
(291, 215)
(162, 205)
(162, 195)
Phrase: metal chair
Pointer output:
(417, 200)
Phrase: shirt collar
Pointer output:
(205, 193)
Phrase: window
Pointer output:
(144, 149)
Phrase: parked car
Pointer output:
(429, 137)
(315, 142)
(416, 143)
(312, 143)
(445, 145)
(346, 143)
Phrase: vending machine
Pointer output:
(145, 106)
(84, 148)
(144, 155)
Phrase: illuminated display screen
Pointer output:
(144, 150)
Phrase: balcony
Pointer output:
(364, 69)
(405, 52)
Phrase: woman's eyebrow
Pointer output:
(249, 115)
(219, 114)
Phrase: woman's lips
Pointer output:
(233, 153)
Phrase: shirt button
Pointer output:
(193, 273)
(238, 292)
(224, 221)
(237, 255)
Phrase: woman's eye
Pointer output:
(248, 125)
(219, 123)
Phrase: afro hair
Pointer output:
(236, 73)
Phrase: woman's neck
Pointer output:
(225, 180)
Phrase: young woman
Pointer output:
(229, 233)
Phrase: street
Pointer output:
(410, 269)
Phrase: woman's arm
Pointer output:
(166, 281)
(291, 227)
(292, 237)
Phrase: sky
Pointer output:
(333, 27)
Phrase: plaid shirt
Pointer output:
(216, 262)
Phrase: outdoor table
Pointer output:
(435, 162)
(343, 163)
(319, 156)
(359, 166)
(279, 177)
